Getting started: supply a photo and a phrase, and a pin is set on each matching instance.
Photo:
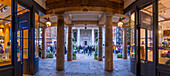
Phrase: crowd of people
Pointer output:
(86, 49)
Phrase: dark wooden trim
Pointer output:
(137, 3)
(30, 3)
(155, 36)
(138, 62)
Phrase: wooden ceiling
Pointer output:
(60, 6)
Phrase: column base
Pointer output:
(125, 58)
(100, 59)
(60, 69)
(69, 60)
(43, 57)
(109, 70)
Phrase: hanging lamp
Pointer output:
(48, 22)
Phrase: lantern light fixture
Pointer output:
(48, 22)
(120, 23)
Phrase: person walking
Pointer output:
(90, 50)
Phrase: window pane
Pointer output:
(36, 35)
(150, 45)
(142, 43)
(132, 25)
(25, 44)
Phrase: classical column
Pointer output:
(125, 43)
(60, 44)
(43, 43)
(6, 34)
(78, 37)
(92, 36)
(69, 48)
(100, 41)
(109, 43)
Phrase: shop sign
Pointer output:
(24, 20)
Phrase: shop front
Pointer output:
(19, 34)
(150, 52)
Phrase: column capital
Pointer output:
(100, 25)
(109, 14)
(61, 16)
(69, 25)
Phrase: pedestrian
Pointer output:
(8, 50)
(51, 48)
(40, 51)
(90, 50)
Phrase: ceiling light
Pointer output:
(159, 31)
(48, 22)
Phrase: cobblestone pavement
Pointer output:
(84, 66)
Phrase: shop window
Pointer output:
(132, 25)
(164, 33)
(37, 35)
(5, 26)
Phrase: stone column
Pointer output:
(69, 48)
(125, 43)
(43, 43)
(92, 36)
(100, 42)
(60, 44)
(109, 43)
(78, 37)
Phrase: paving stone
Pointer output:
(84, 66)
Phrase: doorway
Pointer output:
(23, 24)
(146, 41)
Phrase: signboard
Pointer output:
(146, 20)
(24, 20)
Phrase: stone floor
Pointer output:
(84, 66)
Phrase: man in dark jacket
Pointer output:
(90, 50)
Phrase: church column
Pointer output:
(60, 44)
(78, 37)
(109, 43)
(100, 41)
(92, 36)
(69, 48)
(125, 43)
(43, 43)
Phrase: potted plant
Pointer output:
(119, 55)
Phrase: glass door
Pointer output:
(146, 41)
